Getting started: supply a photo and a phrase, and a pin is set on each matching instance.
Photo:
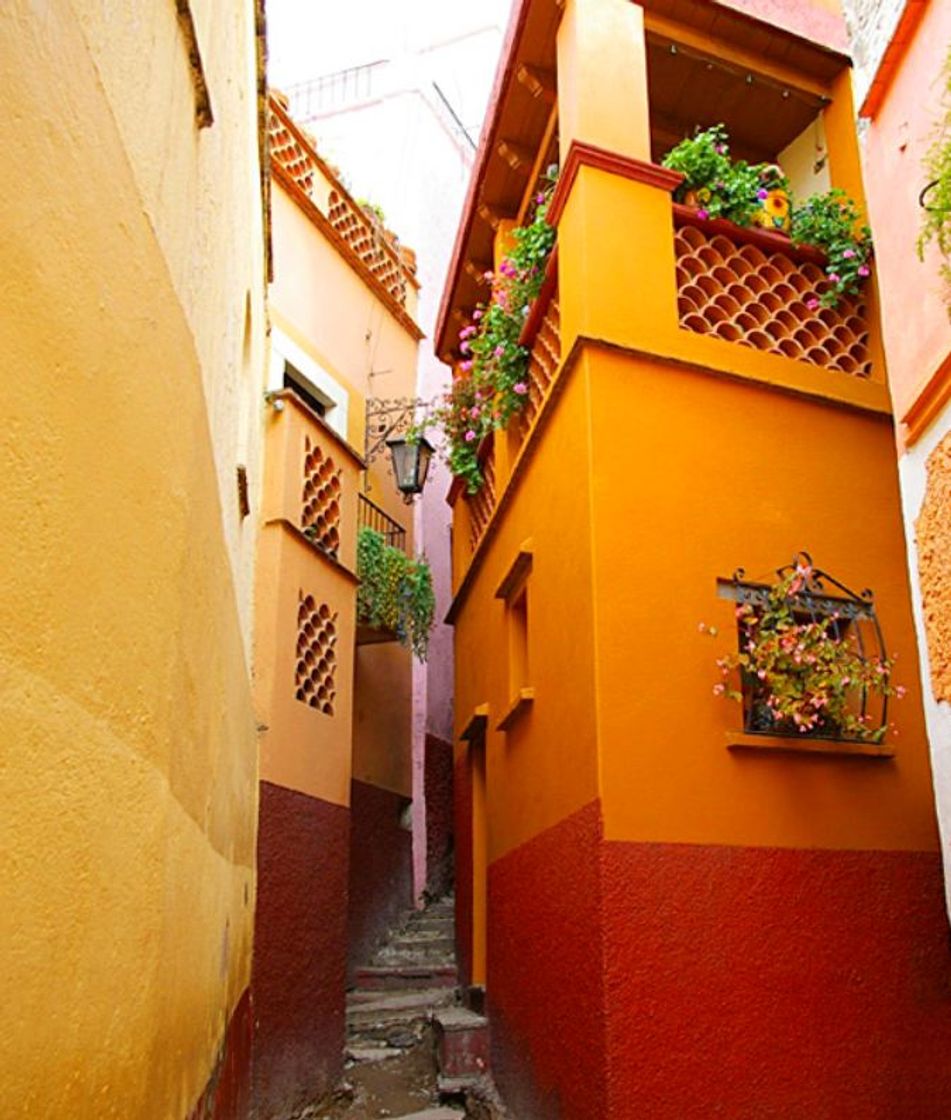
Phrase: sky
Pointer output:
(307, 38)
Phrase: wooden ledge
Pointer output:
(519, 569)
(475, 728)
(519, 706)
(770, 241)
(744, 740)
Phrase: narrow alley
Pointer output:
(475, 569)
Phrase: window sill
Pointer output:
(744, 740)
(519, 706)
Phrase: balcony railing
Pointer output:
(294, 157)
(482, 503)
(542, 334)
(370, 516)
(756, 289)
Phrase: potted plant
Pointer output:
(772, 194)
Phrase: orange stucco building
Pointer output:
(673, 916)
(333, 702)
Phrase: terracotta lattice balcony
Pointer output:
(759, 290)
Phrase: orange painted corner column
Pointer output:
(602, 77)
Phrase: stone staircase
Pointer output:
(409, 1042)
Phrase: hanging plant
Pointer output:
(801, 671)
(936, 196)
(492, 382)
(395, 592)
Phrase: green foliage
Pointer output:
(492, 384)
(724, 188)
(830, 221)
(936, 214)
(372, 209)
(803, 677)
(736, 190)
(395, 592)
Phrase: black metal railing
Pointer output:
(370, 516)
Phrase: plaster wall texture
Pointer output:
(129, 783)
(893, 148)
(196, 195)
(933, 646)
(818, 20)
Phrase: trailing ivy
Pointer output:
(395, 592)
(936, 208)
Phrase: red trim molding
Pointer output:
(768, 240)
(581, 155)
(929, 403)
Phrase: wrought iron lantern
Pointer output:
(388, 422)
(410, 463)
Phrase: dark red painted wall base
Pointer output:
(381, 868)
(544, 984)
(300, 950)
(635, 981)
(438, 792)
(763, 982)
(227, 1094)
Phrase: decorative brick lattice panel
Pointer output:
(741, 294)
(482, 503)
(545, 356)
(368, 244)
(320, 499)
(314, 675)
(287, 151)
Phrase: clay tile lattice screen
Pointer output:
(320, 499)
(482, 503)
(316, 669)
(542, 363)
(287, 151)
(367, 242)
(742, 294)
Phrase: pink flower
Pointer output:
(488, 275)
(539, 199)
(474, 412)
(720, 149)
(467, 332)
(520, 387)
(703, 215)
(470, 436)
(812, 304)
(900, 690)
(863, 270)
(848, 254)
(762, 194)
(719, 689)
(834, 277)
(466, 366)
(464, 346)
(499, 350)
(477, 314)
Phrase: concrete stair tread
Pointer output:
(438, 1113)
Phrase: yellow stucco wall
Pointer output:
(128, 779)
(328, 309)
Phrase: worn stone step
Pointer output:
(399, 976)
(397, 1007)
(430, 957)
(462, 1043)
(445, 926)
(414, 936)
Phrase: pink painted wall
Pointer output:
(917, 330)
(818, 20)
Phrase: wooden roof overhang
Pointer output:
(719, 53)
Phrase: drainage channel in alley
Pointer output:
(413, 1053)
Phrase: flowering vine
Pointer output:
(492, 380)
(803, 675)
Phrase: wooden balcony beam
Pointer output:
(515, 155)
(538, 81)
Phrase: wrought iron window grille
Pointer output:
(848, 618)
